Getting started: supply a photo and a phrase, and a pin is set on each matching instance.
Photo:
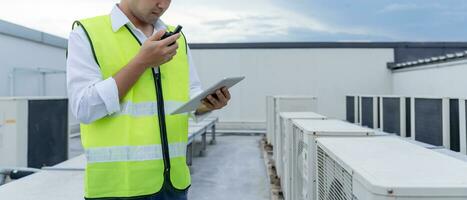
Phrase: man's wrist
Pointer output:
(138, 63)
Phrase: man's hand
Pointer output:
(155, 52)
(214, 101)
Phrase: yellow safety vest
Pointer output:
(127, 156)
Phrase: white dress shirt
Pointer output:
(91, 97)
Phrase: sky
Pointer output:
(225, 21)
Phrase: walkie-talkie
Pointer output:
(167, 34)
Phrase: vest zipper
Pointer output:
(161, 117)
(160, 113)
(162, 124)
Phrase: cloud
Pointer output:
(399, 7)
(404, 7)
(52, 16)
(223, 24)
(261, 20)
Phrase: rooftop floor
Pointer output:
(231, 169)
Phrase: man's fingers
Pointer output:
(213, 101)
(157, 36)
(207, 104)
(170, 56)
(170, 40)
(223, 100)
(170, 52)
(172, 48)
(226, 93)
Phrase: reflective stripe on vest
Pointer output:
(133, 153)
(146, 108)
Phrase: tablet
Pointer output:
(194, 103)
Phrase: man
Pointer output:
(122, 78)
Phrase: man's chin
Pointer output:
(152, 20)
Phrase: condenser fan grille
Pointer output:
(334, 182)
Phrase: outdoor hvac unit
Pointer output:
(395, 115)
(386, 168)
(352, 109)
(463, 126)
(277, 104)
(305, 133)
(369, 111)
(284, 154)
(451, 153)
(431, 121)
(33, 131)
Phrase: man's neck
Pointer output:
(141, 25)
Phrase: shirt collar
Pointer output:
(119, 19)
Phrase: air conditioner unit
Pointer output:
(395, 115)
(386, 168)
(277, 104)
(451, 153)
(369, 111)
(285, 133)
(305, 133)
(33, 131)
(463, 126)
(352, 109)
(284, 153)
(430, 121)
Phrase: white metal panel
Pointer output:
(331, 127)
(287, 103)
(285, 168)
(284, 117)
(412, 118)
(46, 185)
(357, 109)
(380, 114)
(403, 116)
(389, 166)
(462, 126)
(13, 147)
(446, 124)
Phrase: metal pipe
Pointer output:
(9, 169)
(11, 78)
(61, 169)
(43, 83)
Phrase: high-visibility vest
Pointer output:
(125, 151)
